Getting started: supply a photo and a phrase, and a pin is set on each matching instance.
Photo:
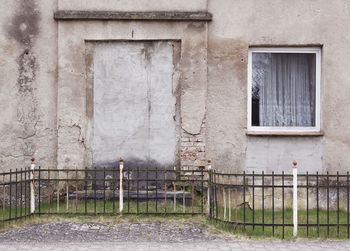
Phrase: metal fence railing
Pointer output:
(281, 205)
(263, 203)
(120, 190)
(15, 194)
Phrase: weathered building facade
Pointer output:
(172, 83)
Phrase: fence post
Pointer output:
(295, 199)
(32, 192)
(208, 193)
(121, 192)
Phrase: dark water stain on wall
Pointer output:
(23, 27)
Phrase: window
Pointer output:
(284, 89)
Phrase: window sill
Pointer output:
(285, 133)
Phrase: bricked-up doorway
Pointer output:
(134, 103)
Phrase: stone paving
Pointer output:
(144, 236)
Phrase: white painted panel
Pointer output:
(133, 103)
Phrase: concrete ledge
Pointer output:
(133, 16)
(284, 133)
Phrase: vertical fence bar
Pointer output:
(137, 190)
(67, 193)
(317, 206)
(253, 202)
(147, 171)
(104, 189)
(295, 199)
(183, 200)
(25, 191)
(283, 205)
(4, 197)
(156, 190)
(114, 186)
(49, 190)
(209, 188)
(21, 194)
(202, 191)
(32, 192)
(192, 192)
(128, 170)
(273, 204)
(230, 207)
(165, 189)
(348, 204)
(337, 204)
(244, 211)
(76, 189)
(10, 194)
(174, 186)
(307, 204)
(16, 193)
(58, 195)
(95, 190)
(39, 189)
(86, 188)
(224, 197)
(327, 204)
(216, 194)
(121, 192)
(263, 200)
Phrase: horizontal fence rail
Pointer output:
(251, 203)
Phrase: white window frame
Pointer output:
(280, 129)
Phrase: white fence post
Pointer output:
(32, 191)
(121, 192)
(295, 199)
(208, 193)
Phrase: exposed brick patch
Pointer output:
(193, 149)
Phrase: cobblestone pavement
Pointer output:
(143, 236)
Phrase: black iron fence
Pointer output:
(253, 203)
(115, 190)
(263, 203)
(15, 194)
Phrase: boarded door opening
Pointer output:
(134, 104)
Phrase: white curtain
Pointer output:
(285, 83)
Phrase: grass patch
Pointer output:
(320, 230)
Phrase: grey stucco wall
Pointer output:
(242, 23)
(28, 60)
(43, 65)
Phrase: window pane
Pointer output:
(283, 89)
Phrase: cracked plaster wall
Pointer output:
(27, 83)
(74, 101)
(213, 115)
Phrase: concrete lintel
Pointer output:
(133, 16)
